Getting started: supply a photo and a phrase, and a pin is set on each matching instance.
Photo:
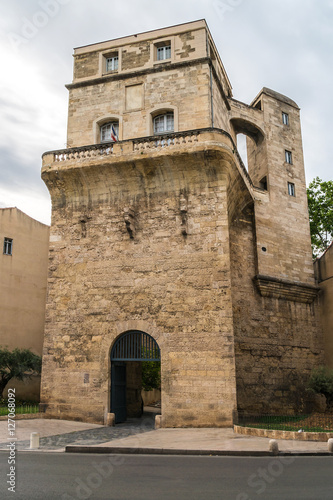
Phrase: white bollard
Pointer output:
(34, 440)
(330, 445)
(273, 446)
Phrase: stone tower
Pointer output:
(160, 234)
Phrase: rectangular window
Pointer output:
(110, 132)
(291, 189)
(289, 158)
(163, 123)
(8, 246)
(164, 53)
(285, 118)
(112, 63)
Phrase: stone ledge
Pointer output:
(283, 289)
(322, 437)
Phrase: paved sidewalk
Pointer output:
(200, 441)
(139, 436)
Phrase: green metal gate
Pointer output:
(131, 346)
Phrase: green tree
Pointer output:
(19, 364)
(320, 201)
(151, 375)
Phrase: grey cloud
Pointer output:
(282, 44)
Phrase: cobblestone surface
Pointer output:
(92, 436)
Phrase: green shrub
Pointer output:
(321, 382)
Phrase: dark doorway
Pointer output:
(127, 355)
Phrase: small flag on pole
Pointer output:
(113, 134)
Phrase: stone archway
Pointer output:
(252, 150)
(248, 128)
(127, 354)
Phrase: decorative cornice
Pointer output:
(287, 290)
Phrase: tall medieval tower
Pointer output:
(163, 246)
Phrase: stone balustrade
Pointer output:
(165, 140)
(83, 152)
(145, 144)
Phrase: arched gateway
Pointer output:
(127, 354)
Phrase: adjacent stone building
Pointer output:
(23, 280)
(324, 276)
(164, 246)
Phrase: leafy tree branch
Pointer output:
(19, 364)
(320, 202)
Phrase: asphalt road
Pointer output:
(48, 476)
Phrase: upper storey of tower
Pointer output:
(143, 84)
(182, 43)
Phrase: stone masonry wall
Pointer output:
(139, 52)
(324, 277)
(173, 286)
(185, 89)
(277, 342)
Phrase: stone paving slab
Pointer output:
(56, 434)
(46, 427)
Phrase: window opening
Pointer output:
(263, 183)
(110, 132)
(8, 246)
(112, 63)
(291, 189)
(285, 118)
(242, 148)
(289, 158)
(163, 123)
(164, 52)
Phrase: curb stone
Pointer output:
(171, 451)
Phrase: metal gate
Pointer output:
(131, 346)
(135, 346)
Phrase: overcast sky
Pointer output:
(286, 45)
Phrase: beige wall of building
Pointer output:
(324, 276)
(23, 278)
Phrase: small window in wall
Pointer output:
(110, 132)
(289, 158)
(8, 246)
(285, 118)
(291, 189)
(111, 62)
(163, 123)
(263, 183)
(163, 51)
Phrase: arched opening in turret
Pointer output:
(250, 140)
(242, 148)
